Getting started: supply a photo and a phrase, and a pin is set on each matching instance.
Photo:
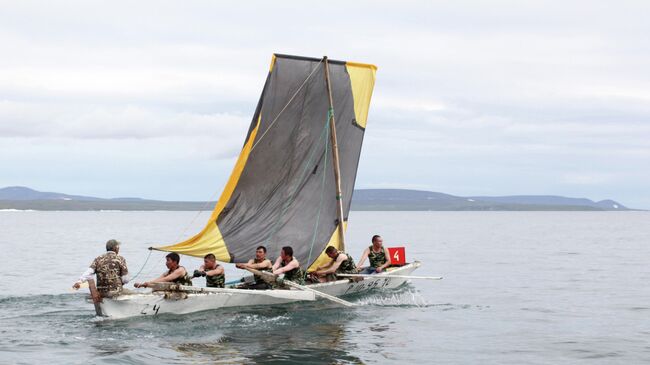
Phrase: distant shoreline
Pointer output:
(70, 206)
(24, 199)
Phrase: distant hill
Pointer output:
(399, 199)
(553, 200)
(23, 198)
(18, 197)
(24, 193)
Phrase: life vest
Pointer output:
(296, 275)
(347, 266)
(215, 281)
(181, 280)
(377, 258)
(257, 278)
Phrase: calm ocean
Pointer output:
(518, 288)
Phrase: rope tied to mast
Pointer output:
(330, 113)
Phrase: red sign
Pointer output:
(397, 256)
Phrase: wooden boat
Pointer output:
(291, 186)
(179, 299)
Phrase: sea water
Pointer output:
(518, 288)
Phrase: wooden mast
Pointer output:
(335, 156)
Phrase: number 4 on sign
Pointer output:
(397, 255)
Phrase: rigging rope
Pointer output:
(286, 105)
(143, 265)
(292, 196)
(182, 234)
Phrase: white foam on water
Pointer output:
(410, 298)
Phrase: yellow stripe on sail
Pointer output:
(272, 63)
(323, 259)
(210, 239)
(362, 80)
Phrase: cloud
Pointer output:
(588, 178)
(470, 96)
(33, 119)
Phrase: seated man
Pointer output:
(110, 269)
(260, 262)
(213, 272)
(288, 265)
(378, 256)
(341, 263)
(176, 273)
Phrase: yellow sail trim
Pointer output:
(362, 80)
(272, 63)
(210, 239)
(323, 259)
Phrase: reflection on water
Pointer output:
(270, 336)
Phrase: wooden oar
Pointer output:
(390, 276)
(320, 294)
(94, 294)
(270, 278)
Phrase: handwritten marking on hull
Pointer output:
(154, 309)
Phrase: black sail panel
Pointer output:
(282, 191)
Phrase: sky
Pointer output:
(153, 99)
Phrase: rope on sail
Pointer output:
(292, 197)
(286, 105)
(205, 205)
(203, 208)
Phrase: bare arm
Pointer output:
(364, 256)
(290, 266)
(164, 278)
(244, 266)
(277, 264)
(329, 264)
(266, 264)
(333, 266)
(217, 271)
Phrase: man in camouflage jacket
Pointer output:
(110, 269)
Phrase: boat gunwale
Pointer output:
(197, 290)
(414, 264)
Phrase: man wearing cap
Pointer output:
(110, 269)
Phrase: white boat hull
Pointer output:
(154, 303)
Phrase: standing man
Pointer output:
(260, 262)
(341, 263)
(378, 256)
(288, 265)
(213, 272)
(110, 269)
(176, 274)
